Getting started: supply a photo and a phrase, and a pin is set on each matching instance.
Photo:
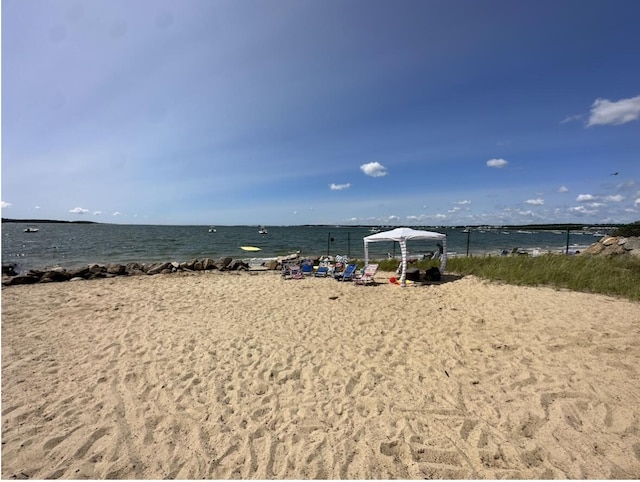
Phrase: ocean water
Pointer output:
(73, 245)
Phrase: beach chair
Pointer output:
(367, 275)
(295, 272)
(322, 271)
(307, 267)
(347, 274)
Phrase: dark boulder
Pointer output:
(54, 275)
(21, 279)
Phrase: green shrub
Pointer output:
(627, 230)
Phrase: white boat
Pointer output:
(263, 230)
(374, 230)
(212, 229)
(31, 230)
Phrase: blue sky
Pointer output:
(302, 112)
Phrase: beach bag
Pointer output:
(432, 274)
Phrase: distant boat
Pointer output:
(599, 235)
(374, 230)
(212, 229)
(465, 230)
(263, 230)
(31, 230)
(524, 232)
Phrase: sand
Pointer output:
(246, 375)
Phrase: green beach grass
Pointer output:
(610, 275)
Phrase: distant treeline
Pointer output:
(43, 221)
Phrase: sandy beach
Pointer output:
(247, 375)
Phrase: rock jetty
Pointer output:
(614, 245)
(10, 275)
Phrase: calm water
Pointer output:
(74, 245)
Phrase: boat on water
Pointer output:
(263, 230)
(31, 230)
(212, 229)
(374, 230)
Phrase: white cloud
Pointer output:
(4, 204)
(339, 187)
(374, 169)
(441, 216)
(393, 217)
(581, 210)
(463, 203)
(36, 207)
(117, 213)
(535, 202)
(637, 202)
(614, 199)
(585, 198)
(97, 213)
(563, 189)
(605, 112)
(78, 211)
(497, 163)
(571, 118)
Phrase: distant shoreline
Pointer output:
(45, 221)
(540, 227)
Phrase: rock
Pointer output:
(79, 272)
(156, 268)
(175, 265)
(207, 263)
(615, 245)
(21, 279)
(595, 248)
(272, 264)
(198, 266)
(117, 269)
(237, 264)
(54, 276)
(97, 268)
(134, 267)
(632, 244)
(222, 263)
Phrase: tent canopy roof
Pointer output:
(400, 234)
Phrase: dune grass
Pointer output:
(610, 275)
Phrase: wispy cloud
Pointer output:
(117, 213)
(582, 198)
(97, 213)
(463, 202)
(605, 112)
(563, 189)
(535, 202)
(78, 211)
(4, 204)
(339, 187)
(497, 163)
(571, 118)
(614, 199)
(374, 169)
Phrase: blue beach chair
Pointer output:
(347, 274)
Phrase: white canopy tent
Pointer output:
(402, 235)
